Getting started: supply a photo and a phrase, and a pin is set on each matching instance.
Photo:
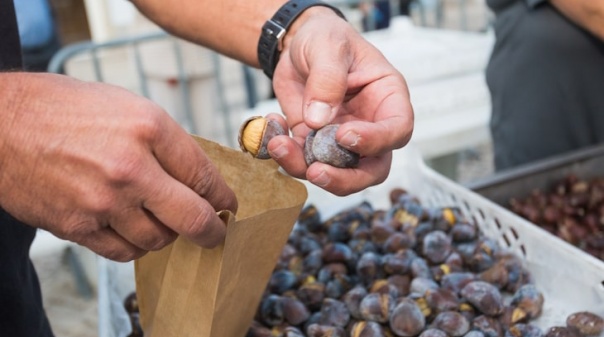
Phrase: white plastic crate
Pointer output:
(570, 279)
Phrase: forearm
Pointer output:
(588, 14)
(231, 27)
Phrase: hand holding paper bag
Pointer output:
(185, 290)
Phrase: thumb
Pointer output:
(326, 87)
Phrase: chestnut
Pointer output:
(271, 310)
(562, 331)
(376, 307)
(131, 303)
(587, 323)
(258, 330)
(524, 330)
(292, 332)
(321, 145)
(312, 295)
(407, 319)
(442, 299)
(436, 246)
(484, 296)
(528, 301)
(334, 313)
(489, 326)
(255, 133)
(452, 323)
(318, 330)
(294, 311)
(367, 329)
(432, 332)
(353, 299)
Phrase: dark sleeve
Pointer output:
(10, 46)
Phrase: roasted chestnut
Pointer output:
(587, 323)
(367, 329)
(321, 145)
(484, 296)
(407, 319)
(376, 307)
(452, 323)
(255, 133)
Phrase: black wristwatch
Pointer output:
(273, 31)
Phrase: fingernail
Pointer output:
(350, 139)
(318, 113)
(322, 179)
(279, 152)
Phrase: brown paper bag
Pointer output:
(184, 290)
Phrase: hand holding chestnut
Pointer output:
(320, 145)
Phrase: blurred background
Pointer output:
(441, 47)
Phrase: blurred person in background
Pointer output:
(404, 7)
(38, 33)
(110, 170)
(376, 14)
(546, 78)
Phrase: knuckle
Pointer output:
(76, 230)
(149, 126)
(204, 180)
(124, 169)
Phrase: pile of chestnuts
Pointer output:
(572, 209)
(406, 271)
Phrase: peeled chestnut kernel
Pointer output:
(321, 146)
(255, 133)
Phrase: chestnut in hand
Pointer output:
(320, 145)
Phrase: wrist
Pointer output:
(310, 14)
(274, 30)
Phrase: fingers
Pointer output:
(375, 138)
(183, 210)
(326, 84)
(182, 158)
(141, 228)
(187, 198)
(289, 154)
(106, 242)
(371, 171)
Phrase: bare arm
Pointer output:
(588, 14)
(231, 27)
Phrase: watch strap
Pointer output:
(274, 30)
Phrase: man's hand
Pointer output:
(328, 73)
(100, 166)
